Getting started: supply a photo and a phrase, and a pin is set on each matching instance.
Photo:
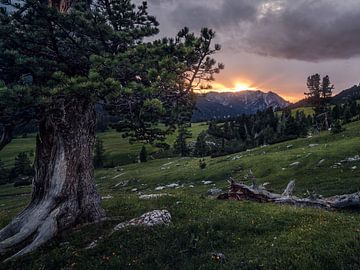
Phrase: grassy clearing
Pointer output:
(250, 235)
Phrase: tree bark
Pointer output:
(64, 192)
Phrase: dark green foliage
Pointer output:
(180, 145)
(99, 154)
(249, 131)
(143, 157)
(201, 148)
(202, 163)
(319, 95)
(22, 167)
(96, 52)
(337, 127)
(4, 174)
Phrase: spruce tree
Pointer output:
(180, 145)
(22, 165)
(201, 148)
(143, 156)
(58, 60)
(4, 173)
(99, 154)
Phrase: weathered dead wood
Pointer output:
(241, 191)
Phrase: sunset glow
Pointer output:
(237, 87)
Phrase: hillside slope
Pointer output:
(250, 235)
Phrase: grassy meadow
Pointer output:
(250, 235)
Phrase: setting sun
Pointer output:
(242, 87)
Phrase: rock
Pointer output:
(214, 192)
(153, 196)
(134, 190)
(297, 163)
(122, 183)
(159, 188)
(167, 164)
(354, 168)
(218, 257)
(236, 157)
(313, 145)
(153, 218)
(174, 185)
(191, 186)
(352, 159)
(107, 197)
(93, 244)
(321, 162)
(289, 146)
(117, 176)
(207, 182)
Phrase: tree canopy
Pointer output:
(96, 51)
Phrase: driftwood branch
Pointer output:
(240, 191)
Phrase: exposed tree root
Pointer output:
(240, 191)
(64, 193)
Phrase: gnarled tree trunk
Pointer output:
(64, 192)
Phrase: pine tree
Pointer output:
(4, 173)
(99, 154)
(22, 165)
(337, 127)
(57, 63)
(143, 156)
(180, 145)
(201, 148)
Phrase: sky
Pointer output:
(273, 45)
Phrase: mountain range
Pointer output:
(219, 105)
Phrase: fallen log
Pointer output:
(241, 191)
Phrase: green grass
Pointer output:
(118, 150)
(250, 235)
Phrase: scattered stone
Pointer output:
(289, 146)
(174, 185)
(297, 163)
(214, 192)
(122, 183)
(191, 186)
(107, 197)
(153, 218)
(313, 145)
(236, 157)
(159, 188)
(178, 202)
(218, 257)
(134, 190)
(153, 196)
(207, 182)
(354, 168)
(117, 176)
(167, 164)
(352, 159)
(321, 162)
(93, 244)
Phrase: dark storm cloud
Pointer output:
(310, 30)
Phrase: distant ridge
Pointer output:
(220, 105)
(352, 93)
